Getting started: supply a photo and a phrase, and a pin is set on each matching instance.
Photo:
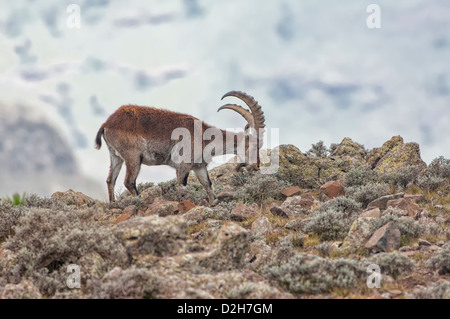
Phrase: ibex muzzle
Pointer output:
(143, 135)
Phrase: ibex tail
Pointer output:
(98, 139)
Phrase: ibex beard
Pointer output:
(146, 135)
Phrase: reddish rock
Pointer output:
(308, 197)
(420, 198)
(297, 206)
(123, 217)
(386, 238)
(185, 206)
(130, 210)
(332, 189)
(291, 191)
(395, 292)
(409, 253)
(261, 226)
(423, 242)
(150, 194)
(162, 209)
(374, 212)
(381, 202)
(226, 195)
(115, 211)
(71, 197)
(406, 205)
(242, 212)
(280, 211)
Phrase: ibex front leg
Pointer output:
(183, 174)
(203, 178)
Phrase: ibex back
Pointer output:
(143, 135)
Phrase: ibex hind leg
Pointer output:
(133, 168)
(203, 178)
(114, 170)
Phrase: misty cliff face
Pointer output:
(28, 146)
(35, 158)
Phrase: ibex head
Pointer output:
(255, 125)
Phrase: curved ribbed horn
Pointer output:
(245, 113)
(258, 114)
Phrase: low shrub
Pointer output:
(318, 150)
(440, 167)
(333, 219)
(257, 187)
(438, 291)
(9, 216)
(125, 199)
(131, 283)
(435, 175)
(364, 194)
(393, 264)
(303, 273)
(441, 261)
(34, 200)
(223, 210)
(403, 178)
(193, 191)
(430, 182)
(409, 228)
(46, 241)
(360, 176)
(143, 186)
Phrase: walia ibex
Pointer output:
(147, 135)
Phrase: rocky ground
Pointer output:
(312, 230)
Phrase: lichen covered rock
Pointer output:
(395, 154)
(350, 151)
(358, 234)
(71, 197)
(385, 239)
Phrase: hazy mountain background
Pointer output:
(318, 71)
